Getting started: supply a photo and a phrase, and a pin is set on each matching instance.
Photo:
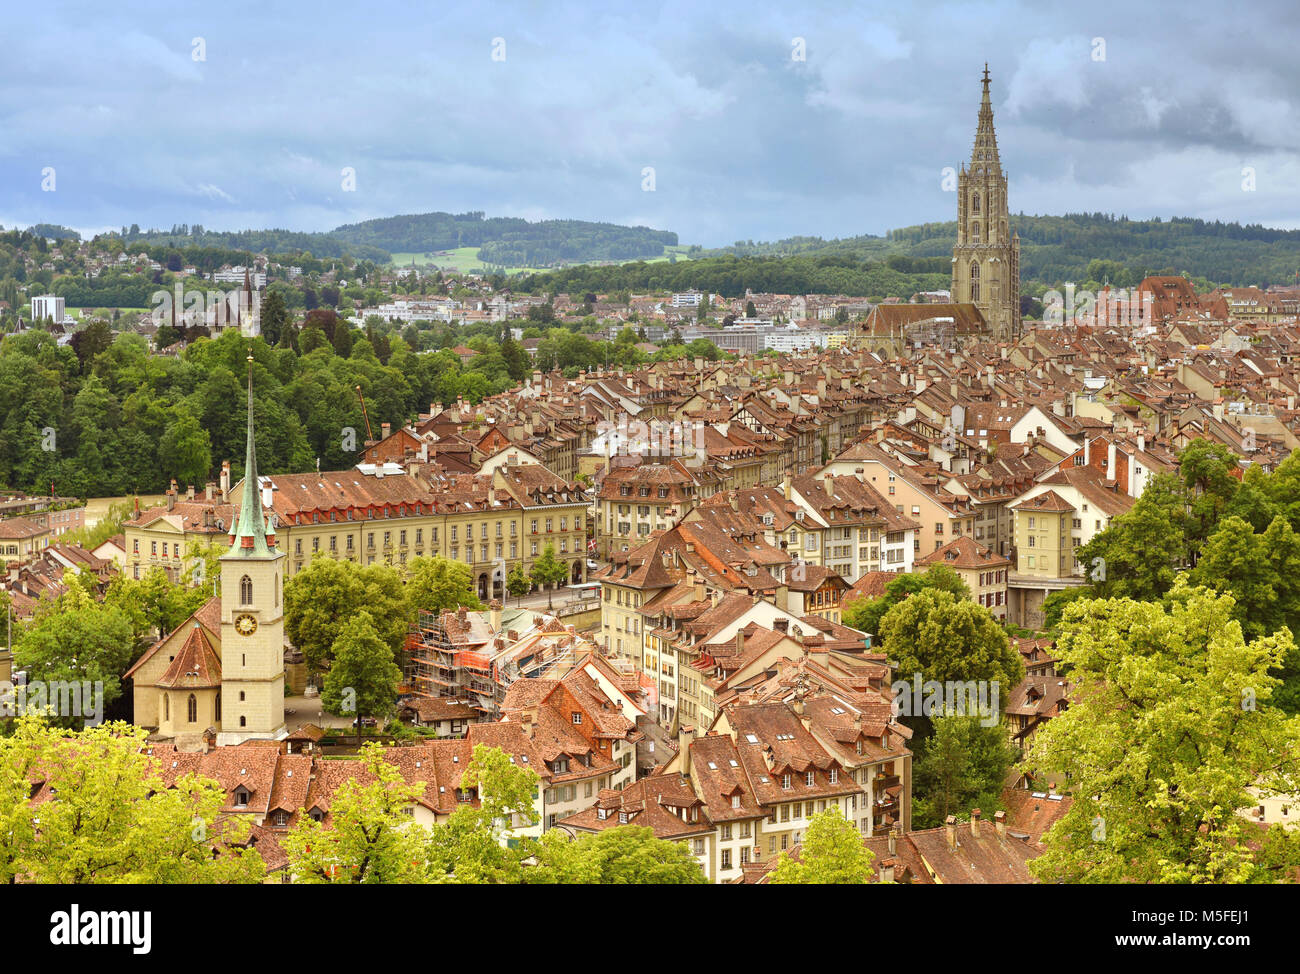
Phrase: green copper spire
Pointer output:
(248, 536)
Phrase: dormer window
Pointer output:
(835, 776)
(735, 801)
(281, 818)
(622, 818)
(785, 781)
(241, 797)
(316, 814)
(602, 813)
(577, 717)
(808, 779)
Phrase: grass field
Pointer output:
(464, 260)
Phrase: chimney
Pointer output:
(171, 496)
(1087, 450)
(975, 823)
(461, 614)
(208, 489)
(740, 641)
(685, 734)
(789, 487)
(1000, 824)
(1142, 442)
(189, 492)
(893, 839)
(887, 871)
(495, 607)
(950, 825)
(1110, 461)
(385, 430)
(225, 480)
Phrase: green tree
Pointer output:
(831, 854)
(1140, 551)
(110, 817)
(318, 599)
(478, 844)
(437, 584)
(865, 614)
(549, 571)
(961, 766)
(624, 855)
(274, 316)
(362, 679)
(370, 838)
(155, 604)
(518, 583)
(88, 642)
(1171, 726)
(944, 638)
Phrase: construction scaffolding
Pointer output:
(440, 669)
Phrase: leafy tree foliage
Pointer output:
(831, 854)
(111, 818)
(362, 679)
(624, 855)
(1169, 731)
(960, 767)
(369, 839)
(943, 637)
(320, 599)
(865, 614)
(437, 584)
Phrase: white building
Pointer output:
(48, 306)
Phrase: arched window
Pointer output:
(975, 229)
(216, 708)
(975, 203)
(167, 706)
(192, 710)
(245, 591)
(974, 281)
(277, 590)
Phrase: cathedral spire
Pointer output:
(248, 535)
(984, 155)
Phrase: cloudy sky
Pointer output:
(240, 115)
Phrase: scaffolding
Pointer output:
(440, 669)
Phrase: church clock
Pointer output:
(245, 624)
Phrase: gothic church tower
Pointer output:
(252, 616)
(986, 260)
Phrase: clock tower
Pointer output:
(252, 615)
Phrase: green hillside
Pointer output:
(1085, 247)
(507, 242)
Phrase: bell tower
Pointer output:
(986, 260)
(252, 615)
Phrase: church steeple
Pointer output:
(986, 260)
(984, 154)
(248, 536)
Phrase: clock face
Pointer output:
(245, 624)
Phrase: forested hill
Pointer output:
(509, 241)
(1057, 249)
(255, 241)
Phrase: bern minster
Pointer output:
(986, 260)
